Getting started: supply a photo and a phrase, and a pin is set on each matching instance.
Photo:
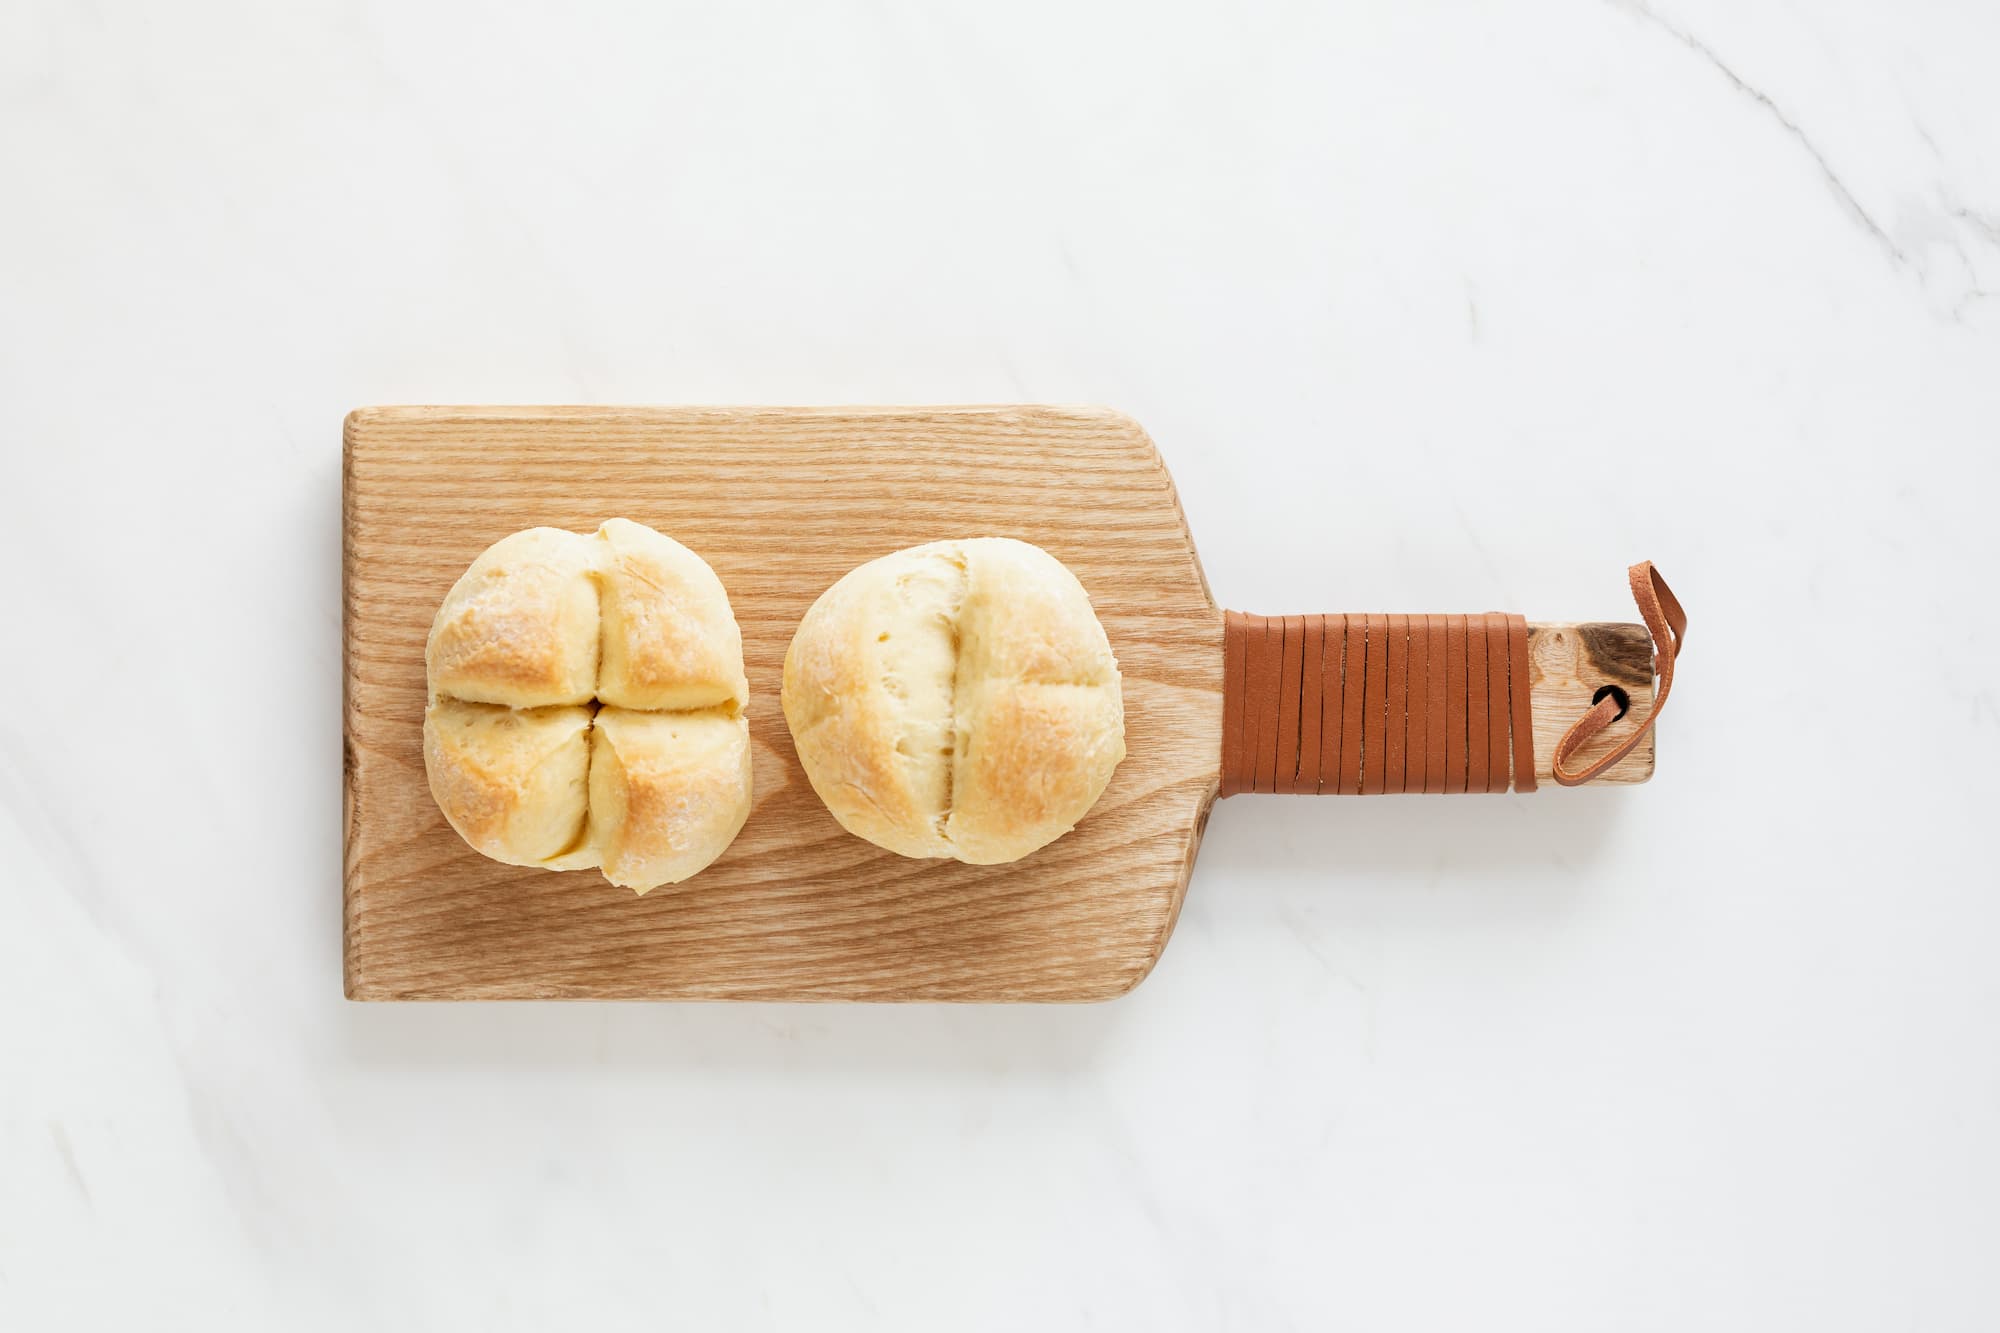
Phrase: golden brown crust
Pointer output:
(1038, 756)
(520, 625)
(624, 617)
(669, 639)
(668, 791)
(957, 699)
(511, 781)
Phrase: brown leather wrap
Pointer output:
(1359, 705)
(1368, 704)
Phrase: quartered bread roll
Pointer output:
(957, 699)
(587, 699)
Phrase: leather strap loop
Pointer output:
(1667, 623)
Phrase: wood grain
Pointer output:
(781, 503)
(1567, 664)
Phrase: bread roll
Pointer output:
(514, 782)
(670, 639)
(587, 699)
(520, 625)
(668, 791)
(956, 700)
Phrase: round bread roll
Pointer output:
(586, 709)
(957, 699)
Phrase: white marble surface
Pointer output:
(1427, 304)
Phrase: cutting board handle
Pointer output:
(1372, 704)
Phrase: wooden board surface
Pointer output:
(781, 503)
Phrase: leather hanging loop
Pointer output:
(1667, 623)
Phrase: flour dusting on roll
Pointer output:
(587, 706)
(958, 699)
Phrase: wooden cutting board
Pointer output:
(782, 502)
